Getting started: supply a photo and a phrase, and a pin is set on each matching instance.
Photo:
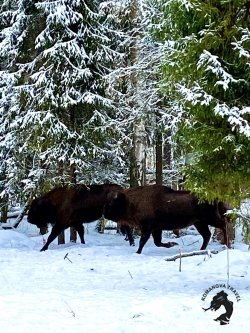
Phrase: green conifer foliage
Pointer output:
(207, 70)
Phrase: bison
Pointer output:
(71, 206)
(154, 208)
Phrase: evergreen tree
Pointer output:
(206, 70)
(8, 12)
(61, 121)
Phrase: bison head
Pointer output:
(41, 213)
(116, 206)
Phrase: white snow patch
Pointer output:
(106, 287)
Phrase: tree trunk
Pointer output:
(73, 233)
(4, 209)
(133, 181)
(158, 154)
(138, 152)
(61, 237)
(170, 178)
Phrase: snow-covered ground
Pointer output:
(104, 286)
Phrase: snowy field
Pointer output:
(105, 287)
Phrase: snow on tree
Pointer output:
(147, 113)
(8, 12)
(60, 122)
(206, 70)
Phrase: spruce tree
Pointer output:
(206, 70)
(61, 119)
(8, 13)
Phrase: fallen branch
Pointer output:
(190, 254)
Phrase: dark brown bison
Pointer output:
(154, 208)
(71, 206)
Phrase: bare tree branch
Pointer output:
(190, 254)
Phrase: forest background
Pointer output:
(131, 92)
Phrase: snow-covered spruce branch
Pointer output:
(240, 45)
(242, 216)
(190, 254)
(211, 63)
(235, 117)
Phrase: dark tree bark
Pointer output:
(158, 151)
(4, 209)
(73, 233)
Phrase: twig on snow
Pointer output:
(69, 308)
(66, 257)
(130, 275)
(193, 243)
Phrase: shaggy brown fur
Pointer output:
(69, 206)
(155, 208)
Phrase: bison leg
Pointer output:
(56, 230)
(157, 235)
(80, 229)
(145, 234)
(203, 229)
(128, 232)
